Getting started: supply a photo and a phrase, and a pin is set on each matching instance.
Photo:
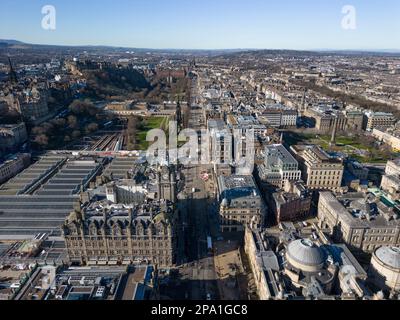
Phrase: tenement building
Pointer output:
(264, 266)
(393, 167)
(12, 136)
(389, 136)
(13, 165)
(277, 116)
(33, 105)
(391, 179)
(241, 203)
(363, 221)
(379, 120)
(321, 171)
(105, 233)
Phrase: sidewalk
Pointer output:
(228, 267)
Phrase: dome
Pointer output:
(305, 255)
(390, 256)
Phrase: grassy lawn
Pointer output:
(353, 146)
(150, 124)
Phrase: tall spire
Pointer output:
(12, 73)
(303, 101)
(334, 132)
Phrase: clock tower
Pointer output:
(166, 183)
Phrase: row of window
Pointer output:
(91, 253)
(97, 244)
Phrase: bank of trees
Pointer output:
(82, 120)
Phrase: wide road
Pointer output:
(199, 270)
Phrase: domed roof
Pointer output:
(390, 256)
(306, 253)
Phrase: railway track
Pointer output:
(114, 142)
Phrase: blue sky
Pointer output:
(206, 24)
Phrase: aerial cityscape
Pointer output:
(201, 172)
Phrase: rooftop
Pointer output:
(390, 256)
(278, 152)
(236, 190)
(364, 210)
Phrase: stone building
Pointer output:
(166, 183)
(241, 203)
(393, 167)
(307, 267)
(264, 266)
(144, 182)
(321, 171)
(389, 136)
(291, 204)
(298, 268)
(364, 222)
(13, 165)
(126, 192)
(279, 166)
(326, 119)
(385, 268)
(105, 233)
(12, 136)
(355, 120)
(379, 120)
(391, 179)
(278, 116)
(33, 105)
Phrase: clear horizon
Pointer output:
(206, 25)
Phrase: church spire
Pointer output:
(12, 73)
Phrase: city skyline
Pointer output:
(310, 25)
(207, 154)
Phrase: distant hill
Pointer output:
(16, 44)
(10, 42)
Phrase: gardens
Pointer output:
(138, 127)
(360, 147)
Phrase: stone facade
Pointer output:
(241, 203)
(291, 204)
(349, 219)
(320, 170)
(114, 234)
